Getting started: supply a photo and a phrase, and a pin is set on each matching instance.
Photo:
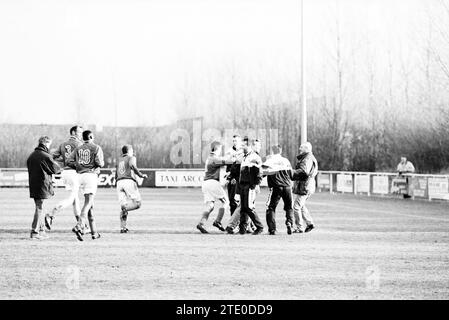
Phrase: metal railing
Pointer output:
(419, 186)
(422, 186)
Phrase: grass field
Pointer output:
(404, 244)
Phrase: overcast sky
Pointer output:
(56, 55)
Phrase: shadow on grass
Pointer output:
(131, 232)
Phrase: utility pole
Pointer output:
(303, 85)
(114, 98)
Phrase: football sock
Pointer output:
(205, 216)
(220, 215)
(93, 227)
(123, 218)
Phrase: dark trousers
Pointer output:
(38, 221)
(248, 207)
(276, 193)
(232, 188)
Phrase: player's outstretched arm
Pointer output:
(99, 158)
(271, 167)
(266, 171)
(133, 165)
(302, 172)
(221, 161)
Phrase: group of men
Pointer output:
(240, 172)
(79, 160)
(244, 173)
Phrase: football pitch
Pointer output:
(362, 248)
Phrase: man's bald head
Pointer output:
(305, 147)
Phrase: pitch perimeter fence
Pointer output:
(417, 186)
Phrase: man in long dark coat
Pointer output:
(41, 168)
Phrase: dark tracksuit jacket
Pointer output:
(233, 189)
(250, 177)
(280, 185)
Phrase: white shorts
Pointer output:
(212, 190)
(88, 182)
(127, 189)
(70, 179)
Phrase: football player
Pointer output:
(68, 176)
(87, 159)
(212, 189)
(127, 190)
